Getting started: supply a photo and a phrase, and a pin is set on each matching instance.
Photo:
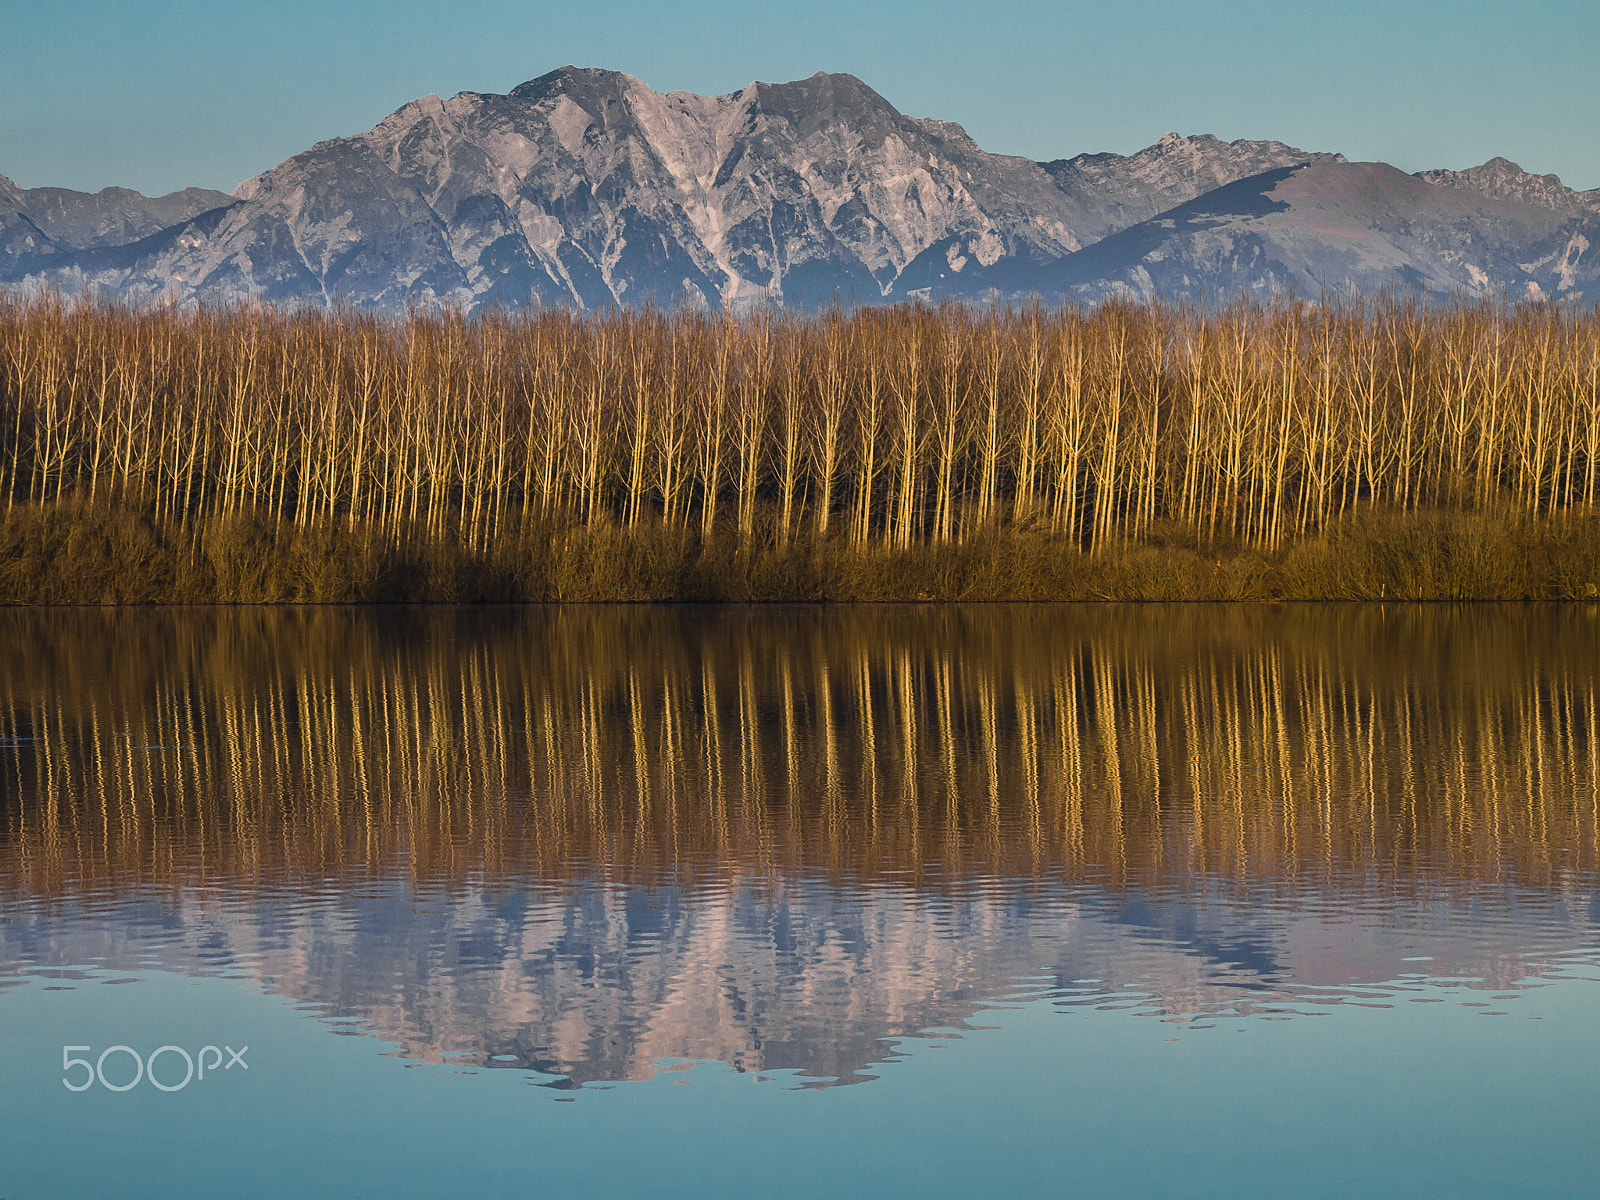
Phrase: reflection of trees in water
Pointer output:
(1128, 743)
(591, 838)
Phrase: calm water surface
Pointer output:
(925, 901)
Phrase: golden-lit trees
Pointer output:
(1256, 424)
(826, 418)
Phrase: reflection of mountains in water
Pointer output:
(590, 839)
(595, 981)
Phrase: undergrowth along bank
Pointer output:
(74, 553)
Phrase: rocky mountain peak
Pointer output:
(1502, 179)
(1173, 170)
(586, 86)
(585, 185)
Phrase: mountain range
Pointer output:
(587, 187)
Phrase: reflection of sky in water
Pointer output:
(1423, 1099)
(1125, 896)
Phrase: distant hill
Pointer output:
(38, 225)
(1340, 227)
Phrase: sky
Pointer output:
(158, 96)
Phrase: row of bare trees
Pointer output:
(882, 425)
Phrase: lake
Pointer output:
(1156, 900)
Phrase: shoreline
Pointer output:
(113, 554)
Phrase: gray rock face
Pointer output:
(587, 187)
(1338, 227)
(1502, 179)
(21, 240)
(41, 223)
(1126, 189)
(114, 216)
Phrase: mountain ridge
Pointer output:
(38, 223)
(1340, 227)
(584, 186)
(1503, 179)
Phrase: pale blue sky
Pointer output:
(161, 95)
